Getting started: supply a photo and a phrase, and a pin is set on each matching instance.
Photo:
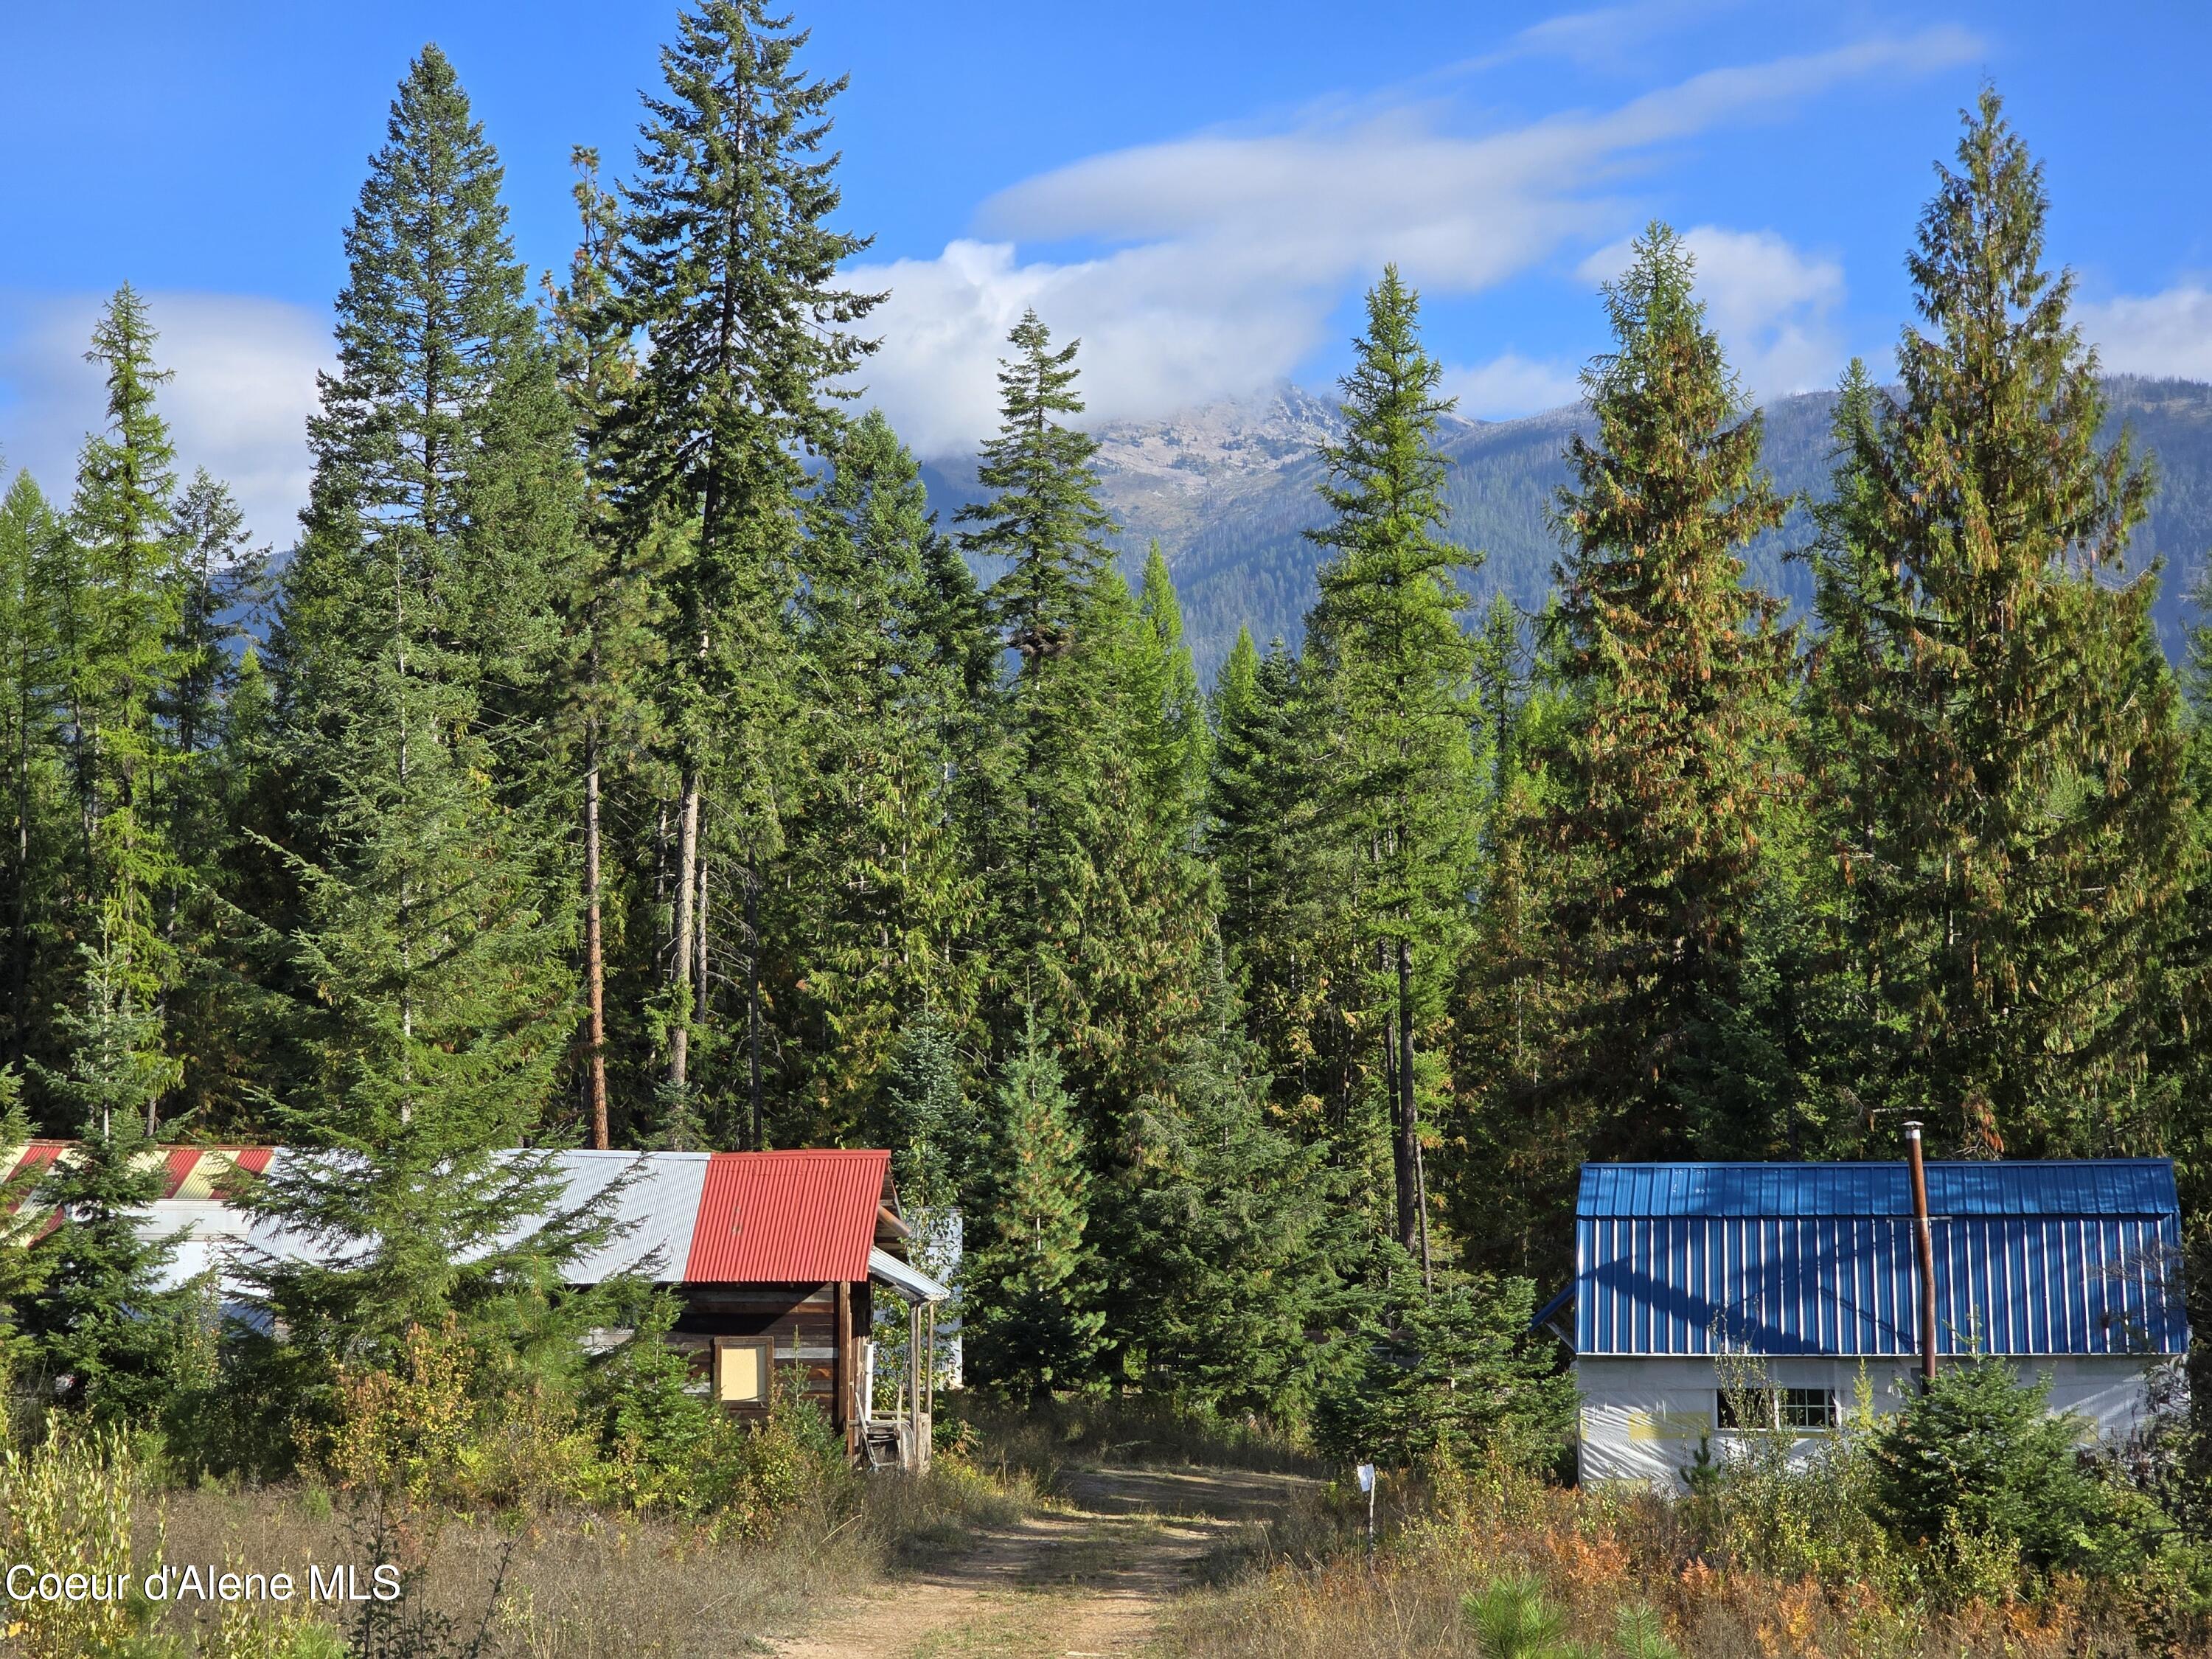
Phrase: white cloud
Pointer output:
(1773, 306)
(1210, 267)
(244, 385)
(1154, 339)
(1223, 254)
(1510, 385)
(2168, 334)
(1606, 37)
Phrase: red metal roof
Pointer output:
(788, 1218)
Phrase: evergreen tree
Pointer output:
(872, 892)
(102, 1326)
(1662, 786)
(1043, 519)
(1512, 1155)
(928, 1123)
(1399, 688)
(127, 595)
(34, 562)
(1175, 743)
(1451, 1375)
(609, 643)
(1030, 1281)
(1142, 900)
(1042, 515)
(431, 326)
(1230, 1221)
(2010, 809)
(222, 583)
(728, 267)
(430, 993)
(1098, 910)
(1275, 865)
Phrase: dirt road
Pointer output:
(1080, 1583)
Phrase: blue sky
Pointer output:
(1199, 191)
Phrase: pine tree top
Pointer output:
(1044, 514)
(728, 261)
(1385, 483)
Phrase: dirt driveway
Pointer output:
(1081, 1581)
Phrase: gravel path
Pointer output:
(1081, 1581)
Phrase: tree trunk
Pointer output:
(22, 926)
(757, 1141)
(1421, 1203)
(699, 947)
(687, 875)
(1406, 1147)
(595, 975)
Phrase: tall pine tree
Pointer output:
(1398, 670)
(2009, 805)
(1099, 906)
(873, 892)
(1043, 519)
(1278, 871)
(610, 648)
(35, 564)
(1661, 784)
(430, 993)
(125, 596)
(729, 268)
(1031, 1279)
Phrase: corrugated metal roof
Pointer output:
(2117, 1186)
(2031, 1258)
(188, 1173)
(691, 1218)
(788, 1218)
(654, 1212)
(910, 1281)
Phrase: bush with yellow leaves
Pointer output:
(66, 1507)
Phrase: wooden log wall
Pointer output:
(801, 1319)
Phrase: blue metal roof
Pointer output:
(2110, 1186)
(2071, 1257)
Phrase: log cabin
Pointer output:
(779, 1261)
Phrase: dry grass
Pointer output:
(1301, 1589)
(577, 1584)
(1043, 1442)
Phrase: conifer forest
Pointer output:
(625, 752)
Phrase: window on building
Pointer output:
(1809, 1408)
(1746, 1408)
(741, 1369)
(1777, 1408)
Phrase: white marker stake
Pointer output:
(1367, 1485)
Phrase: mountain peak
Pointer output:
(1220, 444)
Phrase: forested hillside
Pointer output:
(1227, 491)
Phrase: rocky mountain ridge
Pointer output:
(1227, 488)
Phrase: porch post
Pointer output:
(842, 1385)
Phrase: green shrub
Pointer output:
(666, 1446)
(1513, 1620)
(1449, 1375)
(1978, 1456)
(1758, 1499)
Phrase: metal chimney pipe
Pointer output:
(1926, 1241)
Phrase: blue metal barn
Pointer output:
(2071, 1267)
